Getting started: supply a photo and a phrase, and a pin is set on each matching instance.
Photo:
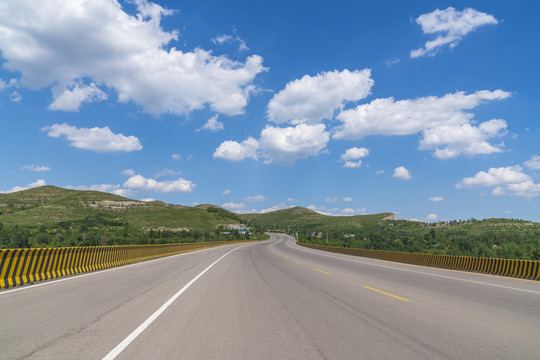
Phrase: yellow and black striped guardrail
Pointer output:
(22, 266)
(525, 269)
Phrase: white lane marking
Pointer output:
(412, 271)
(120, 347)
(72, 277)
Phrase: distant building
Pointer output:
(240, 229)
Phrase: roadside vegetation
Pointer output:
(495, 238)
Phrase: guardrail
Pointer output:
(525, 269)
(23, 266)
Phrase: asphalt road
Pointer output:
(272, 300)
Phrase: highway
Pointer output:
(272, 300)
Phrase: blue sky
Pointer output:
(427, 109)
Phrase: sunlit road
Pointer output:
(272, 300)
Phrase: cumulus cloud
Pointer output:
(312, 99)
(436, 198)
(352, 154)
(212, 125)
(279, 206)
(431, 217)
(255, 198)
(347, 199)
(75, 94)
(233, 206)
(510, 180)
(292, 200)
(141, 184)
(451, 25)
(284, 146)
(36, 168)
(226, 192)
(533, 163)
(446, 127)
(235, 151)
(331, 200)
(175, 157)
(129, 54)
(95, 139)
(401, 173)
(36, 183)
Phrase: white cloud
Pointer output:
(166, 172)
(279, 206)
(235, 151)
(3, 84)
(496, 176)
(142, 184)
(452, 25)
(347, 199)
(255, 198)
(148, 199)
(129, 54)
(508, 180)
(379, 172)
(222, 39)
(75, 94)
(96, 139)
(431, 217)
(15, 96)
(212, 125)
(392, 61)
(233, 206)
(436, 198)
(36, 168)
(109, 188)
(401, 173)
(354, 153)
(292, 200)
(176, 157)
(350, 211)
(312, 99)
(352, 164)
(533, 163)
(445, 126)
(331, 200)
(128, 172)
(226, 192)
(283, 146)
(35, 184)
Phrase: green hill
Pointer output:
(50, 205)
(299, 217)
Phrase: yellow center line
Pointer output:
(298, 262)
(324, 272)
(385, 293)
(285, 257)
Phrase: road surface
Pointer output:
(272, 300)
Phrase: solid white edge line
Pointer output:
(78, 276)
(318, 252)
(120, 347)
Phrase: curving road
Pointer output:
(272, 300)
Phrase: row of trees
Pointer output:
(507, 244)
(90, 232)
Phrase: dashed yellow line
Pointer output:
(385, 293)
(324, 272)
(285, 257)
(298, 262)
